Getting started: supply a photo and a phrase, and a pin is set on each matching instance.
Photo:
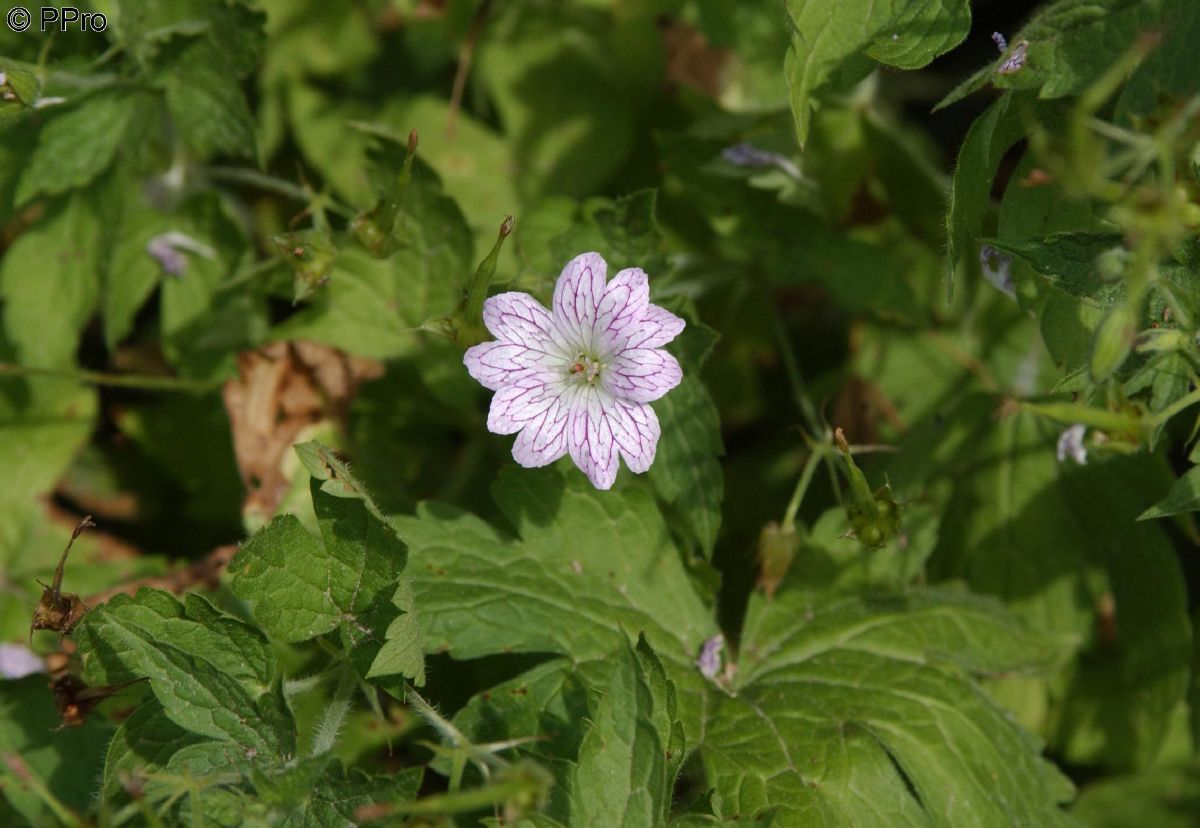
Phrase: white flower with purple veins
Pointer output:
(577, 379)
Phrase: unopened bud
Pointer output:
(777, 549)
(1113, 341)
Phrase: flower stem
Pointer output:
(149, 383)
(1175, 407)
(806, 476)
(335, 713)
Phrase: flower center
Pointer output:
(584, 369)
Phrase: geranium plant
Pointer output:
(813, 445)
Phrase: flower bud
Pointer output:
(777, 548)
(1113, 341)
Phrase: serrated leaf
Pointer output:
(1183, 497)
(586, 567)
(208, 106)
(545, 709)
(687, 469)
(904, 33)
(301, 587)
(402, 652)
(836, 698)
(143, 743)
(76, 146)
(632, 751)
(210, 672)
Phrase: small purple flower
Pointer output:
(1070, 444)
(997, 269)
(577, 379)
(709, 660)
(167, 249)
(748, 155)
(1000, 42)
(18, 661)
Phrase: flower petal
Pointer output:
(621, 309)
(516, 406)
(658, 326)
(499, 364)
(520, 319)
(590, 439)
(642, 374)
(577, 294)
(636, 431)
(544, 439)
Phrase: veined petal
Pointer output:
(636, 431)
(499, 364)
(621, 310)
(520, 319)
(657, 327)
(516, 406)
(590, 438)
(642, 374)
(577, 295)
(544, 438)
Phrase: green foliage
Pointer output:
(829, 43)
(900, 557)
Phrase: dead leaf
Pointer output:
(691, 59)
(282, 389)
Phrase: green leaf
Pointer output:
(300, 586)
(1183, 497)
(371, 307)
(860, 277)
(50, 279)
(232, 30)
(1057, 543)
(568, 84)
(401, 653)
(1170, 71)
(144, 743)
(76, 146)
(687, 469)
(989, 138)
(211, 673)
(65, 761)
(558, 587)
(545, 710)
(630, 756)
(835, 700)
(1165, 797)
(208, 106)
(825, 38)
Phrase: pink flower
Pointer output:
(577, 379)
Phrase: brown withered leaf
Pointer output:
(280, 390)
(75, 701)
(691, 59)
(58, 610)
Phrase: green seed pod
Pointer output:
(874, 516)
(311, 254)
(1113, 341)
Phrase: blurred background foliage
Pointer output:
(160, 388)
